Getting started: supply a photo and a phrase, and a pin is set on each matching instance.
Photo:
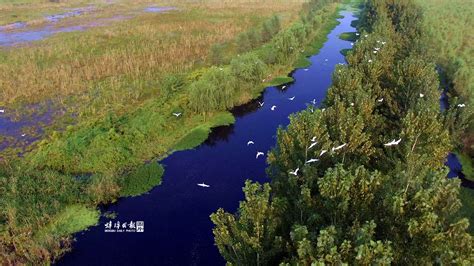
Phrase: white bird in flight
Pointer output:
(306, 69)
(2, 111)
(352, 44)
(291, 98)
(375, 52)
(203, 185)
(261, 103)
(339, 147)
(295, 172)
(370, 60)
(393, 142)
(461, 105)
(250, 142)
(312, 145)
(312, 161)
(380, 100)
(283, 87)
(23, 135)
(322, 152)
(313, 101)
(352, 104)
(273, 108)
(259, 154)
(313, 139)
(422, 95)
(357, 34)
(177, 114)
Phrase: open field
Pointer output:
(122, 84)
(451, 41)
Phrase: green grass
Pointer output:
(345, 52)
(467, 165)
(200, 133)
(72, 219)
(142, 180)
(277, 81)
(466, 196)
(302, 62)
(348, 36)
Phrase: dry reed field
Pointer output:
(123, 61)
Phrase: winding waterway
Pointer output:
(177, 227)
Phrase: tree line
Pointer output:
(371, 201)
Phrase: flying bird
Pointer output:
(313, 139)
(375, 52)
(339, 147)
(312, 161)
(357, 34)
(392, 143)
(23, 135)
(380, 100)
(352, 44)
(312, 145)
(313, 101)
(250, 142)
(203, 185)
(422, 95)
(291, 98)
(461, 105)
(261, 103)
(322, 152)
(283, 87)
(259, 154)
(273, 108)
(352, 104)
(2, 111)
(306, 69)
(370, 60)
(295, 172)
(177, 114)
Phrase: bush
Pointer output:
(248, 68)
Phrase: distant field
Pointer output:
(123, 61)
(450, 23)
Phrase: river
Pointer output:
(177, 227)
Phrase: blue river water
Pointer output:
(177, 227)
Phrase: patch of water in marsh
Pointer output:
(159, 9)
(19, 32)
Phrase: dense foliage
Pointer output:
(364, 202)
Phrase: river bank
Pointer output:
(107, 137)
(176, 213)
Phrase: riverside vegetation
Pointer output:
(54, 189)
(449, 24)
(367, 203)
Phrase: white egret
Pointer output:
(203, 185)
(306, 69)
(352, 104)
(339, 147)
(291, 98)
(313, 139)
(259, 153)
(392, 143)
(261, 103)
(312, 145)
(461, 105)
(370, 60)
(313, 101)
(295, 172)
(323, 152)
(312, 161)
(273, 108)
(2, 111)
(422, 95)
(177, 114)
(283, 87)
(380, 100)
(250, 142)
